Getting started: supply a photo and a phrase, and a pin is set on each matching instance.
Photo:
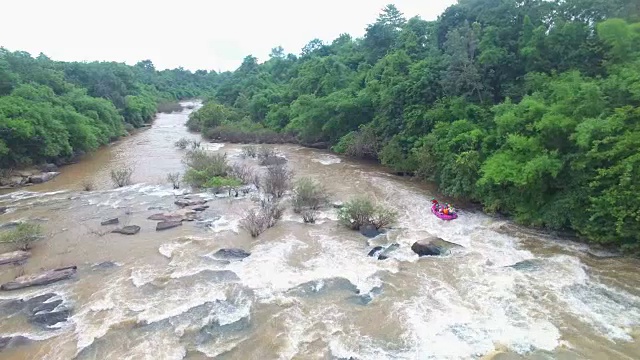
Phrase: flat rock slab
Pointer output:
(185, 214)
(110, 221)
(14, 257)
(44, 278)
(198, 207)
(189, 202)
(44, 177)
(164, 225)
(128, 230)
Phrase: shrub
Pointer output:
(218, 183)
(309, 195)
(361, 211)
(174, 179)
(249, 151)
(245, 173)
(202, 166)
(88, 185)
(362, 143)
(23, 236)
(256, 221)
(122, 176)
(277, 181)
(182, 143)
(309, 216)
(195, 144)
(265, 153)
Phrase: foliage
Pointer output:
(308, 195)
(277, 181)
(23, 236)
(121, 176)
(51, 111)
(182, 143)
(203, 166)
(174, 179)
(256, 221)
(88, 185)
(249, 151)
(361, 211)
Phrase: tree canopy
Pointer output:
(528, 107)
(51, 110)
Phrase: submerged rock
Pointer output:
(44, 278)
(199, 207)
(189, 202)
(44, 177)
(369, 231)
(433, 246)
(14, 257)
(231, 254)
(9, 342)
(3, 209)
(386, 252)
(337, 204)
(529, 264)
(375, 251)
(164, 225)
(128, 230)
(110, 221)
(50, 318)
(42, 310)
(104, 265)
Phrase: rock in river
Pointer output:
(433, 246)
(110, 221)
(3, 209)
(12, 341)
(128, 230)
(178, 215)
(189, 202)
(369, 231)
(44, 177)
(231, 254)
(164, 225)
(44, 278)
(14, 257)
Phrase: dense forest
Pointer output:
(529, 107)
(51, 111)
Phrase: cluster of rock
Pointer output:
(29, 177)
(432, 246)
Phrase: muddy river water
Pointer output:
(306, 291)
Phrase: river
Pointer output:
(306, 291)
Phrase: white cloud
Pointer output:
(194, 34)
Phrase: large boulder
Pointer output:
(44, 177)
(433, 246)
(43, 278)
(164, 225)
(127, 230)
(189, 202)
(231, 254)
(14, 257)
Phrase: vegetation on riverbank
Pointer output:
(52, 111)
(530, 108)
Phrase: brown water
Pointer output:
(306, 291)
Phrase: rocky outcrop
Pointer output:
(189, 202)
(110, 221)
(43, 310)
(185, 214)
(14, 257)
(128, 230)
(433, 246)
(231, 254)
(49, 168)
(44, 177)
(164, 225)
(44, 278)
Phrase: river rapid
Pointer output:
(306, 291)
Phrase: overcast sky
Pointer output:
(194, 34)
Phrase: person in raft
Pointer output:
(447, 209)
